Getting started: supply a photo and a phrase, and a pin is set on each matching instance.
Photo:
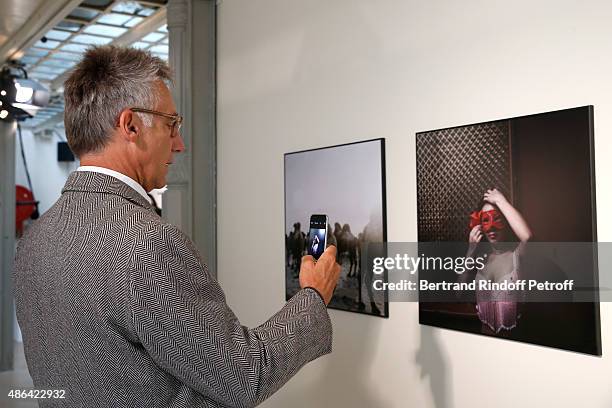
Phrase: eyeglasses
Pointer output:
(177, 120)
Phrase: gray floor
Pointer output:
(19, 378)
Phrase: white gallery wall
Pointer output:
(47, 174)
(294, 75)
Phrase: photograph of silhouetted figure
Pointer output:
(347, 183)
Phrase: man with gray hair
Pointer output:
(116, 306)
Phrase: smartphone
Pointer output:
(317, 237)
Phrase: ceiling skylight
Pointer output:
(93, 22)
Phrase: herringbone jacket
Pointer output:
(117, 308)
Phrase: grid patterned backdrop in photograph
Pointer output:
(454, 168)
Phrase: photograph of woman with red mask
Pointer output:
(505, 229)
(518, 195)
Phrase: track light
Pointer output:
(24, 93)
(20, 98)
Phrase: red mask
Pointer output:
(490, 220)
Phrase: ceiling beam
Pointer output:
(46, 16)
(147, 26)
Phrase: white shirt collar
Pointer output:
(120, 176)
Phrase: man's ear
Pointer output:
(130, 125)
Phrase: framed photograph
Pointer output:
(519, 192)
(345, 183)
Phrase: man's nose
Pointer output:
(179, 144)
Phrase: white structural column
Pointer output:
(7, 245)
(190, 201)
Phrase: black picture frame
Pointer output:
(342, 299)
(534, 143)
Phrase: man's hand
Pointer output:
(321, 275)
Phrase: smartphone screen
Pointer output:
(317, 237)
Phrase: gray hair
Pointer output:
(106, 81)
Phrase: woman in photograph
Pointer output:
(507, 233)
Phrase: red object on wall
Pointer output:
(26, 206)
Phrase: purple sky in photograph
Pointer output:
(343, 182)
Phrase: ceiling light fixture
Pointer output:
(20, 97)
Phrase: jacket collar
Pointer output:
(93, 182)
